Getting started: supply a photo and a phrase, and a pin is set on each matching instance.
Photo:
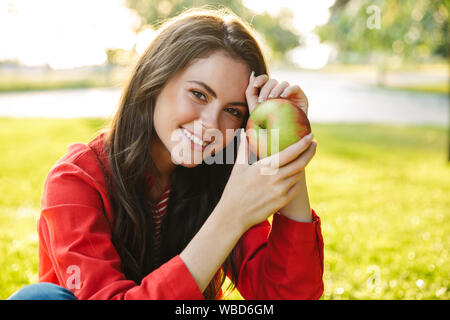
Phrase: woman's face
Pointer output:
(204, 99)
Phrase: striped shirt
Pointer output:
(158, 214)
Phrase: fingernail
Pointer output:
(256, 84)
(252, 75)
(310, 136)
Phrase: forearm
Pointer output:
(299, 208)
(212, 244)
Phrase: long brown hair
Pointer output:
(195, 191)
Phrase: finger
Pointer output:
(291, 152)
(291, 90)
(251, 82)
(266, 89)
(300, 97)
(295, 167)
(275, 93)
(260, 80)
(242, 153)
(252, 91)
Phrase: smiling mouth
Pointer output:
(195, 139)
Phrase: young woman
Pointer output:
(122, 220)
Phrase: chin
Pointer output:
(189, 161)
(188, 165)
(200, 158)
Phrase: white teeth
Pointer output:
(194, 138)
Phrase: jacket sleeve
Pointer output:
(281, 261)
(75, 238)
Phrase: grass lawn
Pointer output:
(381, 191)
(411, 71)
(443, 88)
(59, 79)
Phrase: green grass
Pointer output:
(439, 70)
(62, 79)
(380, 190)
(442, 88)
(28, 149)
(52, 85)
(382, 193)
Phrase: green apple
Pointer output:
(291, 122)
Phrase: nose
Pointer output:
(210, 117)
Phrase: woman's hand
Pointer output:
(250, 196)
(255, 196)
(270, 88)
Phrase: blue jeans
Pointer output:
(43, 291)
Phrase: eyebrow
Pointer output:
(211, 92)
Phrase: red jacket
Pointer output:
(279, 261)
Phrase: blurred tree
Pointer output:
(387, 31)
(275, 31)
(119, 57)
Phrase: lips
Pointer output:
(196, 143)
(200, 138)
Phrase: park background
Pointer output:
(377, 77)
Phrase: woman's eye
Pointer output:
(235, 112)
(199, 95)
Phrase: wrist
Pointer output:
(209, 248)
(299, 208)
(230, 219)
